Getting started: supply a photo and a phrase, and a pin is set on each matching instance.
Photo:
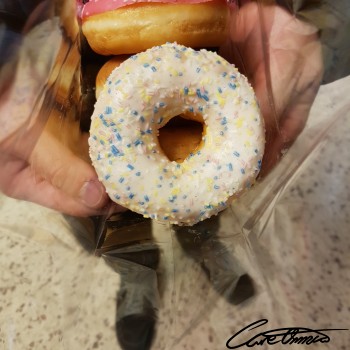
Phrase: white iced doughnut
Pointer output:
(141, 96)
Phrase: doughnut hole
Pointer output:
(181, 136)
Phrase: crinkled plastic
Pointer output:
(140, 284)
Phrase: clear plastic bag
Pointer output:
(140, 284)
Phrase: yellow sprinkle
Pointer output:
(239, 122)
(175, 191)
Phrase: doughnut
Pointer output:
(106, 70)
(178, 138)
(139, 98)
(130, 26)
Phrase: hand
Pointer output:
(43, 155)
(281, 56)
(53, 171)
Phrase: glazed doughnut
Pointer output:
(130, 26)
(106, 70)
(141, 96)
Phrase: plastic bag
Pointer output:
(171, 287)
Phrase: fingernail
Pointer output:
(92, 194)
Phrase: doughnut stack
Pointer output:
(153, 72)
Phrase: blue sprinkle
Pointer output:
(119, 138)
(154, 69)
(224, 121)
(242, 171)
(220, 90)
(129, 166)
(186, 90)
(191, 109)
(198, 69)
(121, 180)
(128, 188)
(98, 156)
(153, 216)
(107, 177)
(121, 120)
(208, 206)
(116, 196)
(138, 142)
(174, 211)
(172, 199)
(256, 151)
(161, 104)
(222, 133)
(134, 112)
(224, 74)
(201, 213)
(128, 145)
(158, 59)
(102, 142)
(115, 150)
(94, 137)
(109, 91)
(142, 118)
(146, 198)
(171, 185)
(198, 92)
(117, 82)
(160, 177)
(165, 170)
(232, 77)
(216, 187)
(232, 86)
(218, 62)
(230, 167)
(235, 153)
(108, 110)
(142, 203)
(259, 164)
(146, 65)
(200, 108)
(131, 195)
(138, 173)
(160, 120)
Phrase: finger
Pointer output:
(58, 166)
(25, 185)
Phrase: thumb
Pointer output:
(55, 163)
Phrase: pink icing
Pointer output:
(94, 7)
